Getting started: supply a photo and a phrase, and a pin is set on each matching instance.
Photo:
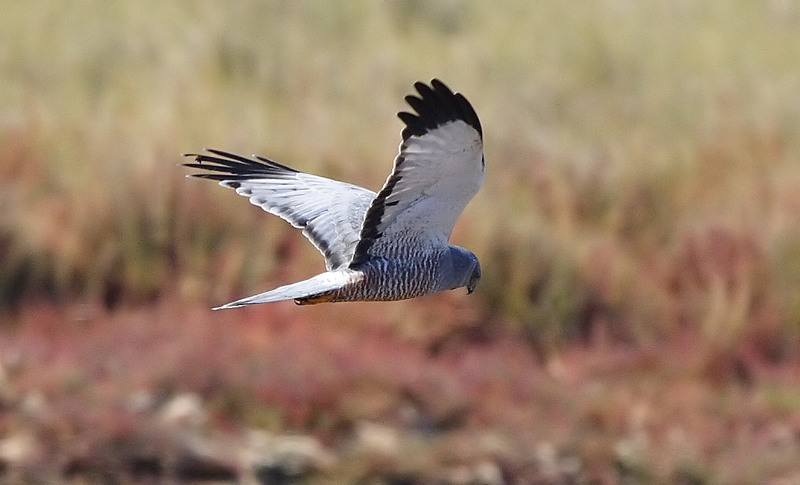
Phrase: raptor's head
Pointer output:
(466, 269)
(475, 277)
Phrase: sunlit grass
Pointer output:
(615, 134)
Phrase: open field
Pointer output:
(638, 320)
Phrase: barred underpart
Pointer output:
(417, 273)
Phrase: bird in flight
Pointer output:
(391, 245)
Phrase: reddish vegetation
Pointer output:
(96, 390)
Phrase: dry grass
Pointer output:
(641, 199)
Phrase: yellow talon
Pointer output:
(313, 300)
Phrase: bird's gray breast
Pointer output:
(402, 271)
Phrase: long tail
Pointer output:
(318, 289)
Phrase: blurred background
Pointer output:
(638, 320)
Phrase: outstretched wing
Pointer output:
(438, 170)
(329, 212)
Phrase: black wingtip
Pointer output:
(435, 106)
(225, 166)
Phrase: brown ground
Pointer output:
(170, 391)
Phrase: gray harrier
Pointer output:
(386, 246)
